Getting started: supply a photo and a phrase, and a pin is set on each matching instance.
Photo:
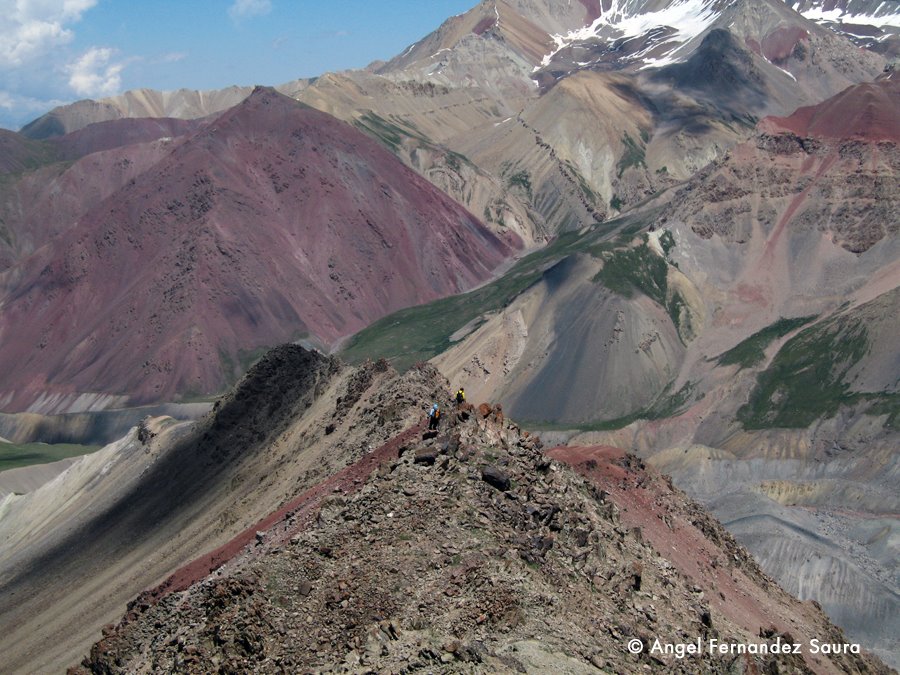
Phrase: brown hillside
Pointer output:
(273, 222)
(471, 551)
(868, 111)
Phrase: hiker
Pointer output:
(434, 416)
(460, 397)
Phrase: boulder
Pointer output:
(495, 477)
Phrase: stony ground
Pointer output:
(469, 550)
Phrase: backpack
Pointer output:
(437, 414)
(460, 396)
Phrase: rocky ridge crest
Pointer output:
(471, 550)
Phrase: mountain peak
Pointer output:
(271, 222)
(868, 111)
(265, 94)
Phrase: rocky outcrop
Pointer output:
(182, 490)
(491, 558)
(828, 169)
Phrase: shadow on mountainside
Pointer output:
(182, 480)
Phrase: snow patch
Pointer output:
(838, 15)
(790, 75)
(654, 243)
(686, 18)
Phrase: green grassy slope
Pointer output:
(15, 455)
(808, 379)
(751, 351)
(419, 333)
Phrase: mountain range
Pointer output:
(656, 231)
(308, 522)
(271, 223)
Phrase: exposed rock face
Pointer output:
(657, 91)
(844, 189)
(458, 87)
(793, 223)
(868, 23)
(68, 564)
(403, 564)
(783, 253)
(493, 46)
(273, 222)
(717, 66)
(830, 168)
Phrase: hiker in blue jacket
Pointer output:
(434, 416)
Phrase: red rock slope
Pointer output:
(471, 552)
(51, 184)
(869, 111)
(272, 222)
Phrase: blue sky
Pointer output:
(59, 51)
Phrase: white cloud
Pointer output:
(7, 100)
(16, 109)
(244, 9)
(93, 74)
(173, 57)
(26, 104)
(31, 28)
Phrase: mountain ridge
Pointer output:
(591, 527)
(732, 325)
(204, 183)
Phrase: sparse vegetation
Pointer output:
(632, 157)
(15, 455)
(665, 405)
(674, 307)
(627, 270)
(667, 241)
(455, 160)
(616, 202)
(751, 351)
(419, 333)
(374, 125)
(38, 154)
(5, 234)
(807, 379)
(586, 190)
(635, 269)
(668, 405)
(390, 134)
(887, 404)
(516, 178)
(520, 179)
